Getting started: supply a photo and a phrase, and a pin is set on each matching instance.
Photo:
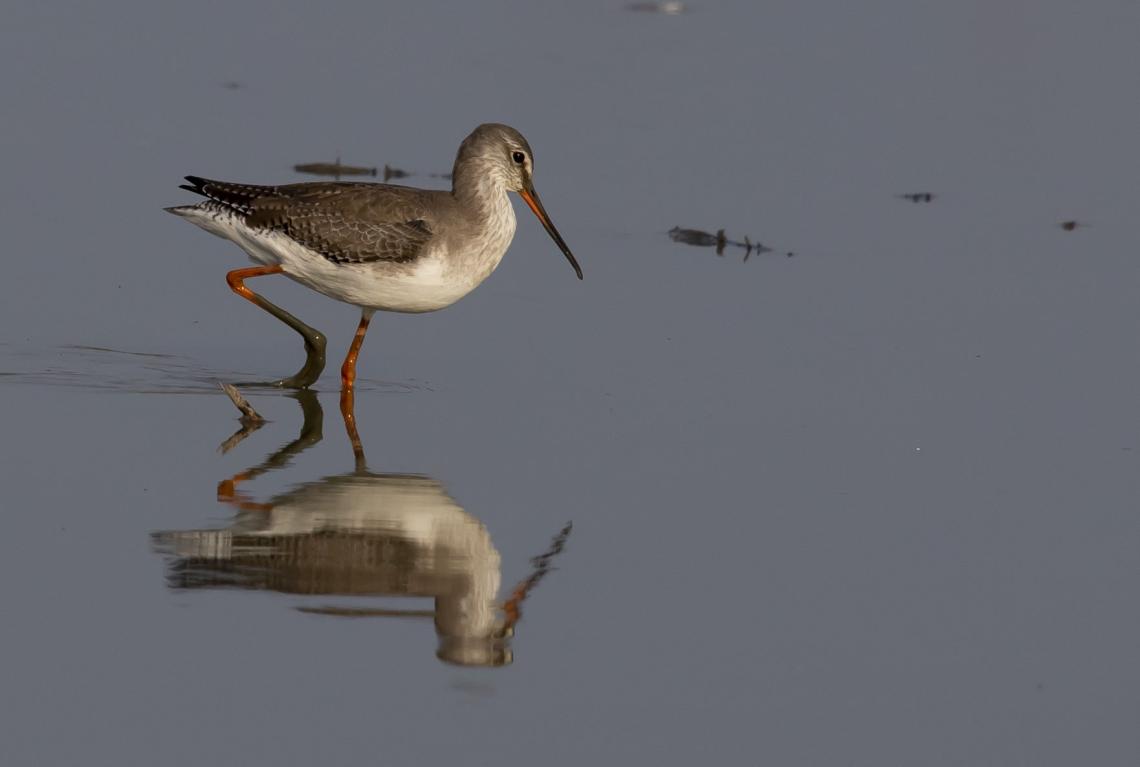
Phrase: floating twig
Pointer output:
(391, 173)
(248, 414)
(666, 7)
(250, 419)
(692, 237)
(719, 240)
(334, 169)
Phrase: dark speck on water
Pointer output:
(917, 196)
(1070, 225)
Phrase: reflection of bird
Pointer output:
(377, 246)
(360, 534)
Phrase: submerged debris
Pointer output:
(693, 236)
(391, 173)
(759, 247)
(338, 169)
(917, 196)
(666, 7)
(334, 169)
(704, 239)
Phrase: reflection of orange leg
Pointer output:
(228, 493)
(228, 489)
(348, 369)
(512, 608)
(347, 411)
(314, 339)
(347, 381)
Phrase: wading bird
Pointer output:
(377, 246)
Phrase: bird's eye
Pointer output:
(518, 157)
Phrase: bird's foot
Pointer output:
(315, 343)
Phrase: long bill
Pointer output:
(531, 197)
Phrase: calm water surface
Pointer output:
(871, 504)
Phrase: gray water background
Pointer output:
(872, 504)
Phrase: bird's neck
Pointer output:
(483, 194)
(480, 192)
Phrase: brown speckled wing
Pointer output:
(342, 236)
(345, 223)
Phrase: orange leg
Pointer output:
(348, 395)
(236, 279)
(314, 339)
(348, 369)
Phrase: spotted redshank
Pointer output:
(377, 246)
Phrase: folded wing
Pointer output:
(345, 223)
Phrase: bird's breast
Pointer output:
(473, 253)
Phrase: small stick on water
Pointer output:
(512, 608)
(248, 414)
(250, 419)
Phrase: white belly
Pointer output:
(423, 285)
(431, 282)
